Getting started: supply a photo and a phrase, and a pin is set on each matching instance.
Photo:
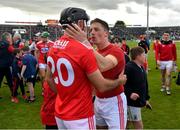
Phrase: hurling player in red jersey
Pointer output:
(72, 70)
(42, 47)
(110, 106)
(166, 55)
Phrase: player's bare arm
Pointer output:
(102, 84)
(105, 63)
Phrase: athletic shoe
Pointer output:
(24, 97)
(16, 100)
(168, 91)
(162, 89)
(31, 100)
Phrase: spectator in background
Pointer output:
(124, 46)
(36, 39)
(28, 71)
(6, 59)
(32, 47)
(17, 79)
(17, 41)
(143, 43)
(118, 41)
(136, 87)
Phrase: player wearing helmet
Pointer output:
(110, 106)
(72, 70)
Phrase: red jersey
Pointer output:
(48, 106)
(43, 48)
(114, 72)
(70, 62)
(166, 51)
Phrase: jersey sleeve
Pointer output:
(88, 62)
(119, 55)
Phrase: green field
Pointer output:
(165, 113)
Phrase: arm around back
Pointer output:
(102, 84)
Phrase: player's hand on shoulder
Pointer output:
(134, 96)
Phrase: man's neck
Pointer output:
(137, 62)
(103, 45)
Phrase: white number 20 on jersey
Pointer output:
(57, 67)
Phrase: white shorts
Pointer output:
(134, 113)
(166, 65)
(82, 124)
(42, 66)
(111, 112)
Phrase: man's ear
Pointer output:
(107, 34)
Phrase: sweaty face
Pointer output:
(98, 33)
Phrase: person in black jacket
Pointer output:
(17, 79)
(136, 87)
(6, 58)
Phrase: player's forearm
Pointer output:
(110, 84)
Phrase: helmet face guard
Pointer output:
(71, 15)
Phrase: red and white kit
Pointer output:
(70, 62)
(111, 106)
(43, 48)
